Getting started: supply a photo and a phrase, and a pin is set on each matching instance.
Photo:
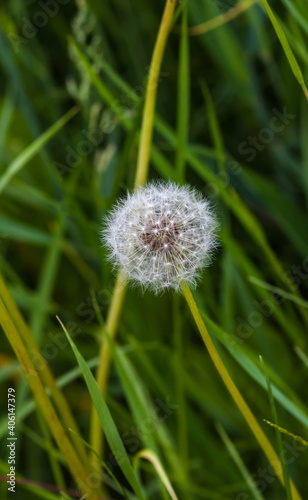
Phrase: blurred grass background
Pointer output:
(232, 121)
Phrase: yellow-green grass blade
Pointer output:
(183, 96)
(287, 433)
(55, 467)
(72, 460)
(29, 406)
(46, 375)
(245, 410)
(286, 47)
(151, 457)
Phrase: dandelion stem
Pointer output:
(140, 179)
(150, 96)
(236, 395)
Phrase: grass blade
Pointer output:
(286, 47)
(28, 153)
(44, 403)
(278, 435)
(288, 433)
(111, 432)
(150, 456)
(183, 96)
(239, 463)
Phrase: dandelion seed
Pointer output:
(162, 247)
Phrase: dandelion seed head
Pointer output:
(161, 235)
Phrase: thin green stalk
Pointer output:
(278, 435)
(150, 96)
(44, 404)
(233, 452)
(140, 179)
(214, 127)
(45, 373)
(183, 98)
(47, 279)
(102, 373)
(235, 393)
(179, 353)
(284, 431)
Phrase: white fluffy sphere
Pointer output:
(161, 235)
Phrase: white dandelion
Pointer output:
(161, 235)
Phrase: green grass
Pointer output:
(83, 75)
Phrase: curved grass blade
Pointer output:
(286, 47)
(111, 432)
(150, 456)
